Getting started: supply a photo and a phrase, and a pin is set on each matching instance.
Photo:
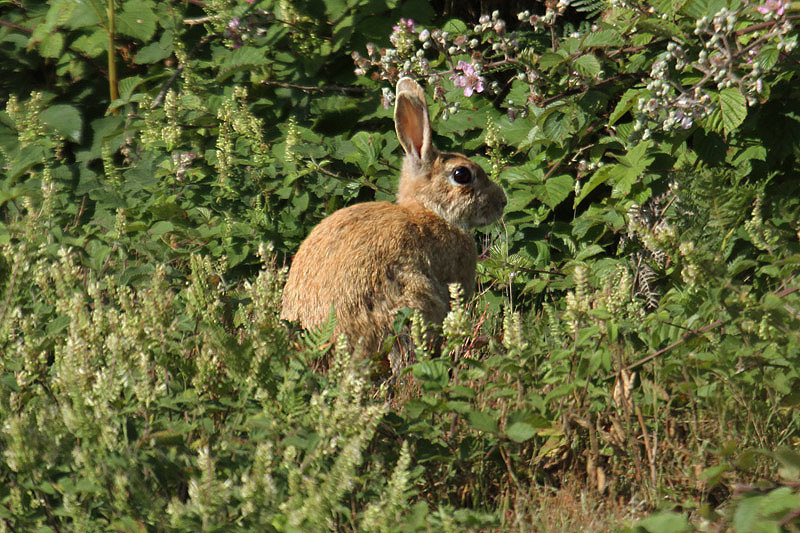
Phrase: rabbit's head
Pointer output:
(449, 184)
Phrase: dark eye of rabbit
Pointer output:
(462, 175)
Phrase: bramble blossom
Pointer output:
(773, 6)
(403, 36)
(405, 24)
(469, 79)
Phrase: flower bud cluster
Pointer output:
(470, 53)
(536, 22)
(237, 30)
(725, 61)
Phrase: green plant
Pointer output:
(635, 330)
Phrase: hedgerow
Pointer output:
(635, 333)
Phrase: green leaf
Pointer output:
(161, 227)
(589, 251)
(65, 119)
(342, 32)
(241, 59)
(768, 57)
(664, 522)
(698, 8)
(369, 147)
(555, 190)
(127, 85)
(602, 38)
(155, 52)
(600, 176)
(52, 45)
(454, 26)
(430, 371)
(93, 44)
(556, 124)
(549, 60)
(520, 431)
(788, 458)
(482, 421)
(733, 107)
(630, 167)
(670, 7)
(628, 100)
(587, 65)
(137, 19)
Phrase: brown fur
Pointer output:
(370, 260)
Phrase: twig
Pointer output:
(693, 333)
(15, 26)
(345, 89)
(789, 518)
(570, 92)
(685, 337)
(167, 84)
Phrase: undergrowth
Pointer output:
(630, 361)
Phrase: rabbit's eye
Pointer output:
(462, 175)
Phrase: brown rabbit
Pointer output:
(372, 259)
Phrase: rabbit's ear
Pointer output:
(412, 122)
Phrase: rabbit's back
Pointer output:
(370, 260)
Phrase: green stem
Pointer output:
(112, 63)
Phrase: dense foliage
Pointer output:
(636, 336)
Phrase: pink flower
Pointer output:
(775, 6)
(405, 24)
(469, 79)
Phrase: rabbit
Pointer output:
(371, 260)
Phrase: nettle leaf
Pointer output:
(65, 119)
(733, 109)
(137, 19)
(788, 458)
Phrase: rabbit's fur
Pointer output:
(372, 259)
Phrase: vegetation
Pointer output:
(631, 359)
